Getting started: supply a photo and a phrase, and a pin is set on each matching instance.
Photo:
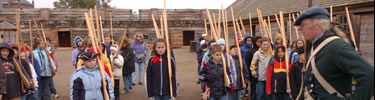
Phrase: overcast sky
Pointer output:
(146, 4)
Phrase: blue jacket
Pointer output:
(41, 56)
(157, 77)
(139, 48)
(87, 85)
(245, 46)
(36, 66)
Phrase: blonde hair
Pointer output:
(138, 33)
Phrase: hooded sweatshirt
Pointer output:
(76, 51)
(13, 81)
(246, 47)
(250, 53)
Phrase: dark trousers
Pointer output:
(279, 96)
(52, 86)
(253, 85)
(44, 90)
(117, 89)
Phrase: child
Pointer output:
(213, 74)
(259, 67)
(129, 65)
(294, 54)
(10, 86)
(118, 62)
(236, 95)
(276, 76)
(86, 82)
(257, 42)
(78, 42)
(32, 95)
(45, 67)
(295, 73)
(247, 45)
(157, 76)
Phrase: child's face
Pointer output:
(248, 41)
(107, 40)
(259, 42)
(302, 57)
(15, 52)
(265, 45)
(23, 55)
(79, 44)
(160, 48)
(217, 56)
(113, 52)
(234, 52)
(90, 63)
(300, 44)
(281, 53)
(41, 44)
(222, 47)
(4, 53)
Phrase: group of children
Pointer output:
(86, 81)
(25, 73)
(264, 70)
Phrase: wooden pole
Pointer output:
(226, 77)
(278, 21)
(37, 28)
(269, 26)
(251, 25)
(162, 26)
(205, 26)
(112, 37)
(216, 26)
(18, 36)
(53, 72)
(219, 24)
(290, 29)
(295, 27)
(31, 54)
(97, 23)
(239, 29)
(156, 27)
(331, 13)
(121, 43)
(101, 65)
(286, 50)
(168, 48)
(243, 27)
(351, 28)
(101, 28)
(240, 59)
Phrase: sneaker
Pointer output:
(140, 83)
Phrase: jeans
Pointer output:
(236, 95)
(139, 69)
(260, 90)
(31, 96)
(117, 89)
(43, 90)
(253, 85)
(127, 82)
(52, 86)
(165, 97)
(282, 96)
(219, 98)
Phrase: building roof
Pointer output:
(22, 2)
(271, 7)
(7, 26)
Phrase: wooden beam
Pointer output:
(351, 28)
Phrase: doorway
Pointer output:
(64, 38)
(187, 37)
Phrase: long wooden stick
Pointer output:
(97, 23)
(205, 26)
(168, 48)
(161, 26)
(53, 72)
(261, 24)
(101, 65)
(31, 49)
(278, 21)
(290, 29)
(101, 28)
(121, 43)
(239, 30)
(251, 25)
(112, 37)
(156, 27)
(226, 77)
(285, 45)
(331, 13)
(219, 24)
(37, 27)
(243, 27)
(269, 26)
(295, 27)
(18, 36)
(351, 28)
(240, 59)
(215, 26)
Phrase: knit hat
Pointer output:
(88, 56)
(204, 35)
(202, 42)
(221, 41)
(301, 50)
(278, 36)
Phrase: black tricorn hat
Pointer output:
(88, 56)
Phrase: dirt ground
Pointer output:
(186, 74)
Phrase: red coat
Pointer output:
(276, 76)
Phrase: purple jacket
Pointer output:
(139, 48)
(157, 77)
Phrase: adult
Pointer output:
(140, 50)
(331, 69)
